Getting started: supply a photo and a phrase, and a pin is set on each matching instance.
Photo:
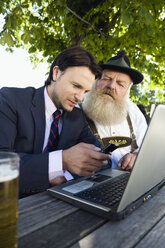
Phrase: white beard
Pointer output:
(102, 111)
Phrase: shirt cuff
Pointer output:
(55, 166)
(135, 151)
(68, 176)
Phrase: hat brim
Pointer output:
(135, 75)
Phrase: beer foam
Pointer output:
(6, 173)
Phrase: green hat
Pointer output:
(121, 63)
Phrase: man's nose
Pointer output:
(79, 96)
(111, 83)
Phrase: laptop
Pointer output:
(115, 193)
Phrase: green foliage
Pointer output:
(101, 26)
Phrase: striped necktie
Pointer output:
(53, 136)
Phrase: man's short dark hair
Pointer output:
(74, 56)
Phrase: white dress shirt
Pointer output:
(139, 126)
(55, 157)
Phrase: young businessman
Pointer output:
(51, 156)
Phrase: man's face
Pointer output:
(114, 85)
(68, 88)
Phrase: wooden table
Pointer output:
(45, 221)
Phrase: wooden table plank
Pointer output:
(34, 201)
(40, 215)
(155, 238)
(63, 232)
(128, 232)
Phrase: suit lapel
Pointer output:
(38, 112)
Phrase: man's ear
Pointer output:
(56, 73)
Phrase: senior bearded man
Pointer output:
(111, 115)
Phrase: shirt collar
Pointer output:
(50, 108)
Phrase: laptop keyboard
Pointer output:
(108, 193)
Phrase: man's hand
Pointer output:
(84, 159)
(127, 161)
(57, 180)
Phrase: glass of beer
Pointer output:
(9, 170)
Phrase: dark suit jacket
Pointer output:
(22, 130)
